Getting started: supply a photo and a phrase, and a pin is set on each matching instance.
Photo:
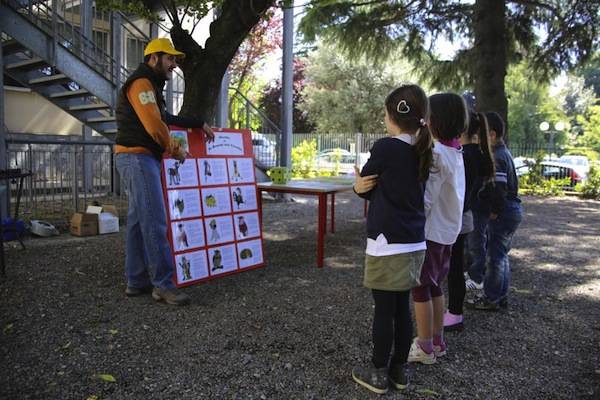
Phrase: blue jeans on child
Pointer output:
(500, 231)
(477, 242)
(146, 222)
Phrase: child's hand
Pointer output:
(363, 184)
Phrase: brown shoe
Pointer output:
(134, 292)
(171, 296)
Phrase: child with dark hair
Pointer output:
(479, 166)
(444, 198)
(504, 218)
(393, 180)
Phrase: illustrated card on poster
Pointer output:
(219, 230)
(226, 144)
(244, 197)
(187, 234)
(216, 200)
(180, 174)
(241, 170)
(213, 171)
(246, 226)
(222, 259)
(191, 266)
(184, 203)
(250, 253)
(181, 137)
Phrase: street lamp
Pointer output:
(558, 127)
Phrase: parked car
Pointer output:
(341, 160)
(556, 170)
(581, 163)
(265, 151)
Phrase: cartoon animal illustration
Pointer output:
(181, 237)
(185, 268)
(210, 201)
(214, 233)
(173, 172)
(207, 170)
(217, 259)
(245, 253)
(236, 173)
(178, 205)
(242, 226)
(237, 197)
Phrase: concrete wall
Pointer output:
(28, 112)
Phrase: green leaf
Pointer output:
(92, 397)
(107, 378)
(114, 331)
(8, 327)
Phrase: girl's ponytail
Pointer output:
(424, 147)
(488, 170)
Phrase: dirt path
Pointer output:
(292, 331)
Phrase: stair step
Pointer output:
(110, 131)
(12, 47)
(48, 80)
(32, 63)
(69, 93)
(87, 107)
(109, 118)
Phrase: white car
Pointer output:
(580, 163)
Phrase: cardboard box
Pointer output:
(107, 217)
(84, 224)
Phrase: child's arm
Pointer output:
(434, 183)
(373, 167)
(498, 198)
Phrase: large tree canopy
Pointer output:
(553, 35)
(203, 66)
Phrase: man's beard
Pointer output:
(160, 69)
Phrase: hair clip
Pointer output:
(402, 107)
(423, 122)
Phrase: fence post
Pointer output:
(358, 149)
(74, 178)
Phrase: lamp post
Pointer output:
(545, 127)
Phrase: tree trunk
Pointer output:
(204, 68)
(491, 56)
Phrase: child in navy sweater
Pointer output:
(393, 180)
(479, 167)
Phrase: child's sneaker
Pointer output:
(482, 303)
(417, 354)
(439, 350)
(400, 376)
(453, 322)
(374, 379)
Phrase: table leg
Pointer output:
(332, 213)
(321, 228)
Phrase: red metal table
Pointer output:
(310, 188)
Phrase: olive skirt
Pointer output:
(397, 272)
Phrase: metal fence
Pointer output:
(66, 177)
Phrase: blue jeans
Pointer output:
(501, 231)
(146, 222)
(477, 242)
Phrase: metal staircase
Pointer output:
(44, 52)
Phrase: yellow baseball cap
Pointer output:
(161, 45)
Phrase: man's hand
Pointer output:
(178, 153)
(493, 216)
(210, 135)
(363, 184)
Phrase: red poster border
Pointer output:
(198, 149)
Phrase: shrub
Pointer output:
(303, 159)
(591, 188)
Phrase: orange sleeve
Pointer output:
(141, 97)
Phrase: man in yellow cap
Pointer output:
(142, 138)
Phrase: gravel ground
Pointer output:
(290, 330)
